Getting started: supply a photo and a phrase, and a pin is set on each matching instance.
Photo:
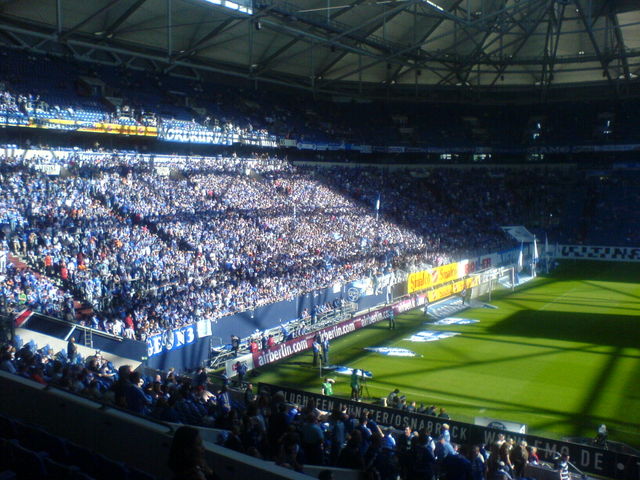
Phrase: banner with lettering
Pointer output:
(587, 458)
(430, 278)
(300, 344)
(601, 253)
(451, 289)
(196, 135)
(171, 340)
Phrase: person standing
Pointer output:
(392, 320)
(72, 349)
(235, 344)
(325, 350)
(316, 351)
(355, 385)
(241, 370)
(327, 387)
(249, 395)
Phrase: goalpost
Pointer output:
(491, 279)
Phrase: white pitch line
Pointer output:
(556, 298)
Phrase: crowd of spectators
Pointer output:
(263, 425)
(165, 252)
(31, 105)
(459, 211)
(222, 235)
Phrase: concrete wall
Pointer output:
(118, 435)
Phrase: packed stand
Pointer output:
(157, 251)
(459, 211)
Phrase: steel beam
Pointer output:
(335, 40)
(97, 13)
(111, 29)
(589, 27)
(620, 41)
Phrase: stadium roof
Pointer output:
(347, 46)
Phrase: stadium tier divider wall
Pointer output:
(137, 441)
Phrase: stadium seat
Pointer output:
(107, 469)
(82, 476)
(28, 464)
(82, 458)
(7, 427)
(135, 474)
(59, 471)
(5, 457)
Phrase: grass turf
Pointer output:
(561, 354)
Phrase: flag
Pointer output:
(520, 259)
(546, 245)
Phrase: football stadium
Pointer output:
(377, 240)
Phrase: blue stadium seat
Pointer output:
(7, 428)
(135, 474)
(5, 457)
(107, 469)
(82, 458)
(82, 476)
(28, 464)
(59, 471)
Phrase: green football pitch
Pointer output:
(560, 354)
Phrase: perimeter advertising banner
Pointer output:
(451, 289)
(94, 127)
(593, 252)
(430, 278)
(589, 459)
(183, 135)
(300, 344)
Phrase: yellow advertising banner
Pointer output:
(118, 129)
(451, 289)
(430, 278)
(94, 127)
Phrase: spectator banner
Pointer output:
(392, 149)
(306, 146)
(203, 327)
(196, 135)
(11, 120)
(171, 340)
(590, 252)
(300, 344)
(48, 169)
(589, 459)
(430, 278)
(259, 140)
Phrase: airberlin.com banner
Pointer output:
(300, 344)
